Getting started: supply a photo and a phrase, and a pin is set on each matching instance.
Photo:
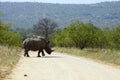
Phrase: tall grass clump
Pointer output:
(9, 56)
(105, 55)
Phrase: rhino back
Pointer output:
(34, 44)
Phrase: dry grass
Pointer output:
(8, 58)
(107, 56)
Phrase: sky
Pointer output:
(61, 1)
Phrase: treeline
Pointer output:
(7, 36)
(82, 35)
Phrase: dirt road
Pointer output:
(62, 67)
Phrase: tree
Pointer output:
(45, 27)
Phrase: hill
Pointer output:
(26, 14)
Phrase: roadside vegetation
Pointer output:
(85, 39)
(106, 56)
(9, 56)
(86, 35)
(10, 42)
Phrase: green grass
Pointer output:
(8, 59)
(107, 56)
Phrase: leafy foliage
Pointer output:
(8, 37)
(82, 35)
(115, 36)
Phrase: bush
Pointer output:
(82, 35)
(8, 37)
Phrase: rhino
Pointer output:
(36, 44)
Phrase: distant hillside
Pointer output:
(24, 15)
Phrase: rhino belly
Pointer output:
(36, 47)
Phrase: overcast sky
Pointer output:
(61, 1)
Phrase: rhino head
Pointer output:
(48, 49)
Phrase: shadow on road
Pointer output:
(45, 57)
(51, 57)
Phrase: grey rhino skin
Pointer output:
(36, 44)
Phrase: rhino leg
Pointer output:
(43, 54)
(26, 53)
(39, 53)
